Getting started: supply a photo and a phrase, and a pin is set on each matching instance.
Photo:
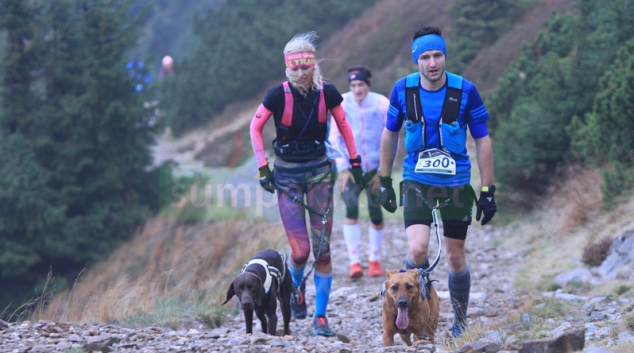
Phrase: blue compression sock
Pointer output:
(459, 287)
(297, 274)
(323, 283)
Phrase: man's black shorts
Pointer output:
(456, 204)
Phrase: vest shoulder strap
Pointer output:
(322, 113)
(455, 81)
(453, 98)
(412, 80)
(287, 116)
(413, 105)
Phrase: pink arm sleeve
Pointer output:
(260, 118)
(345, 130)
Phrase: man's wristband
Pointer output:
(490, 188)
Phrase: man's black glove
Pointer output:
(486, 205)
(357, 172)
(266, 179)
(388, 196)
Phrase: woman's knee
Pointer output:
(300, 257)
(324, 260)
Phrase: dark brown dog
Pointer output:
(405, 311)
(249, 287)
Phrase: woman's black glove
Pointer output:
(266, 179)
(486, 205)
(388, 195)
(357, 172)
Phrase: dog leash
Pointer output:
(324, 220)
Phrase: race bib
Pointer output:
(435, 161)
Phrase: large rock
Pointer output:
(595, 349)
(580, 275)
(101, 343)
(487, 345)
(568, 342)
(621, 256)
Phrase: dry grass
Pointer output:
(169, 273)
(595, 253)
(516, 324)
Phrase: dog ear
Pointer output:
(230, 293)
(413, 271)
(389, 273)
(261, 292)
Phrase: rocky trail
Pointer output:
(497, 312)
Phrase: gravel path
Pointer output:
(355, 315)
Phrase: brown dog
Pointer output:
(267, 268)
(406, 311)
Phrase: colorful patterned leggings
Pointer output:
(310, 182)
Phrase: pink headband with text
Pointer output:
(299, 59)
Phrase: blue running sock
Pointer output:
(323, 283)
(297, 274)
(459, 288)
(410, 265)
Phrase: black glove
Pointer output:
(357, 172)
(486, 205)
(388, 195)
(266, 179)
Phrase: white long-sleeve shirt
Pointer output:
(367, 121)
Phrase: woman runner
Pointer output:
(302, 170)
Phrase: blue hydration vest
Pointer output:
(452, 136)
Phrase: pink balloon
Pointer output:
(168, 62)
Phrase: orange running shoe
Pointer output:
(374, 269)
(356, 270)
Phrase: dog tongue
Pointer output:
(402, 321)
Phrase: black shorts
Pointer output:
(456, 206)
(351, 194)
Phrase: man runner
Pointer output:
(437, 107)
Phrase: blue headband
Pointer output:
(427, 42)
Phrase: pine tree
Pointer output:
(84, 147)
(478, 24)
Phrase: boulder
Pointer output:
(568, 342)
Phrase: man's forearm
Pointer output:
(484, 150)
(389, 145)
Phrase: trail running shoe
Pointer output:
(356, 270)
(320, 326)
(457, 329)
(298, 306)
(374, 269)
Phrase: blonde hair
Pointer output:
(303, 43)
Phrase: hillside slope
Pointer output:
(379, 38)
(489, 65)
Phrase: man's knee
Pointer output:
(418, 251)
(456, 260)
